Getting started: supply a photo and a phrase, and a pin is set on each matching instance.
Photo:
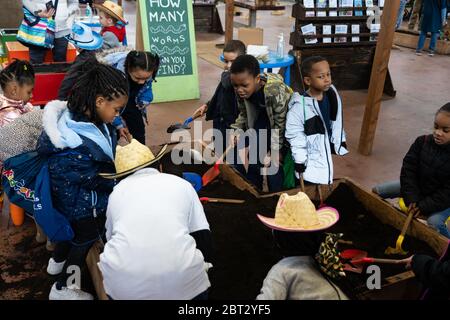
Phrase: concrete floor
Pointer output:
(422, 85)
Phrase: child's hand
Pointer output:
(300, 167)
(125, 133)
(200, 111)
(46, 14)
(413, 207)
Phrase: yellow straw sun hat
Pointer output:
(132, 157)
(298, 214)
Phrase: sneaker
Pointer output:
(431, 53)
(69, 293)
(418, 53)
(54, 267)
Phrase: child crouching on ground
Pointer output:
(425, 175)
(80, 143)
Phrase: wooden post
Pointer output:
(229, 20)
(378, 76)
(139, 36)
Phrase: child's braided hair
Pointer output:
(96, 80)
(20, 71)
(144, 60)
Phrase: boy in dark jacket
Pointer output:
(222, 108)
(425, 174)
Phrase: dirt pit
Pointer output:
(244, 249)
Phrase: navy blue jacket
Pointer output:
(77, 190)
(431, 20)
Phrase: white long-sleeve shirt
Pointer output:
(65, 13)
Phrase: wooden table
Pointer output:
(253, 9)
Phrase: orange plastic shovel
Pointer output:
(214, 171)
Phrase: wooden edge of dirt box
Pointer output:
(97, 279)
(394, 217)
(398, 286)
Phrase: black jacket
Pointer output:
(433, 274)
(223, 104)
(73, 73)
(425, 175)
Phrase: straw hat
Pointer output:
(112, 9)
(132, 157)
(297, 214)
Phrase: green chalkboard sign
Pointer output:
(168, 30)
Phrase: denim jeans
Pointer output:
(423, 36)
(437, 220)
(37, 54)
(401, 10)
(388, 190)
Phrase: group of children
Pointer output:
(105, 95)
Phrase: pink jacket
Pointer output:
(12, 109)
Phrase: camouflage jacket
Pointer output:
(277, 96)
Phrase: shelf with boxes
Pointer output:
(333, 30)
(343, 31)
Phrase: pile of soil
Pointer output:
(244, 250)
(23, 265)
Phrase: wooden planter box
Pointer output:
(409, 39)
(398, 287)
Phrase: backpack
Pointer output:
(26, 182)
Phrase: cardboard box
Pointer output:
(251, 36)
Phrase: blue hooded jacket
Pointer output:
(77, 190)
(145, 95)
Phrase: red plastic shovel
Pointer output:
(354, 259)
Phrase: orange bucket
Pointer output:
(17, 214)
